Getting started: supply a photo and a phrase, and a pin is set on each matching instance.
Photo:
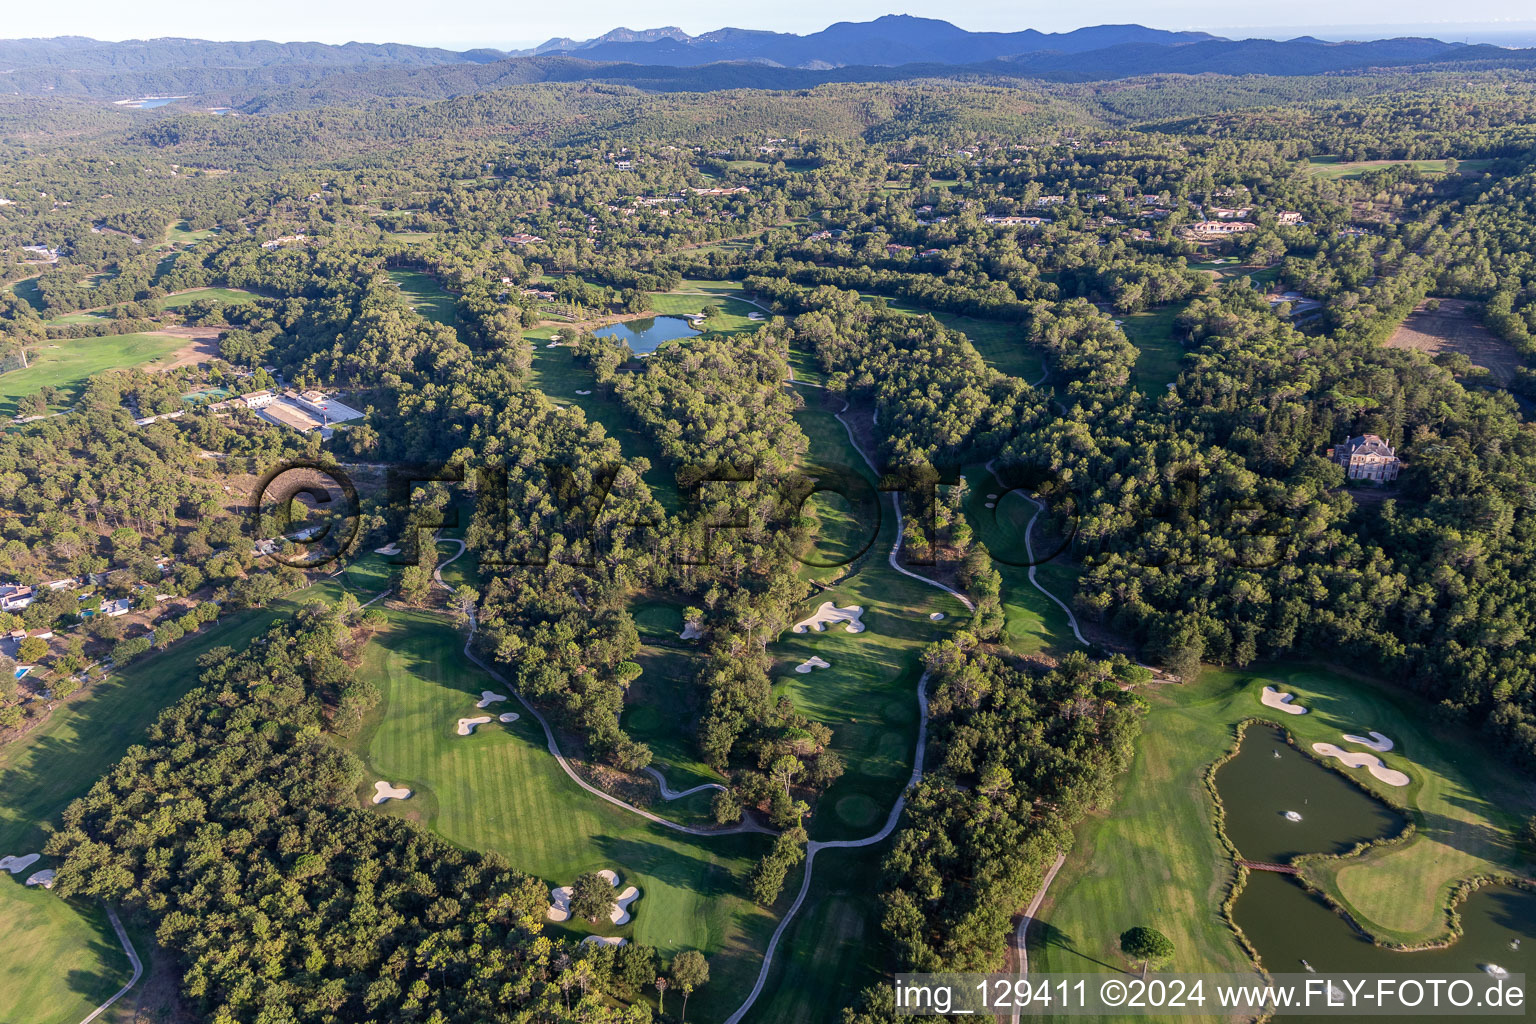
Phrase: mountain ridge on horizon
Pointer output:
(262, 75)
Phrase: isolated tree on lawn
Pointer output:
(1148, 945)
(661, 993)
(591, 896)
(689, 970)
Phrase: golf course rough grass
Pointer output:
(1156, 857)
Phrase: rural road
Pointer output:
(1021, 932)
(133, 961)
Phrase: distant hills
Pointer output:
(262, 75)
(889, 41)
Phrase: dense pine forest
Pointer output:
(1202, 288)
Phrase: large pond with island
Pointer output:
(1278, 804)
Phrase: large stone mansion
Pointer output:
(1367, 457)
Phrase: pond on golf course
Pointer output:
(1287, 924)
(645, 336)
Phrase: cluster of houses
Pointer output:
(1017, 222)
(521, 238)
(726, 190)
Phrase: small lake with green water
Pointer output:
(1287, 924)
(645, 336)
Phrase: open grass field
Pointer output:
(499, 789)
(1155, 856)
(1034, 622)
(868, 697)
(66, 363)
(834, 948)
(183, 233)
(41, 772)
(78, 318)
(27, 289)
(1333, 167)
(423, 294)
(190, 296)
(1161, 353)
(733, 316)
(62, 959)
(556, 372)
(661, 708)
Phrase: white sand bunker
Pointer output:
(1273, 698)
(467, 725)
(829, 613)
(489, 697)
(604, 940)
(620, 913)
(384, 791)
(579, 391)
(1377, 742)
(991, 504)
(1374, 764)
(43, 878)
(560, 902)
(553, 344)
(510, 716)
(991, 497)
(16, 865)
(691, 631)
(936, 616)
(812, 662)
(388, 549)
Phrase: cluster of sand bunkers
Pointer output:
(383, 791)
(487, 698)
(560, 907)
(19, 863)
(830, 613)
(1271, 697)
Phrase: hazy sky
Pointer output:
(497, 23)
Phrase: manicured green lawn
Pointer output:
(66, 363)
(62, 959)
(1155, 857)
(1161, 353)
(1035, 623)
(558, 374)
(183, 232)
(423, 294)
(661, 710)
(868, 697)
(693, 296)
(27, 289)
(834, 948)
(1333, 167)
(192, 295)
(499, 789)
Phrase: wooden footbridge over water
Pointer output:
(1279, 869)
